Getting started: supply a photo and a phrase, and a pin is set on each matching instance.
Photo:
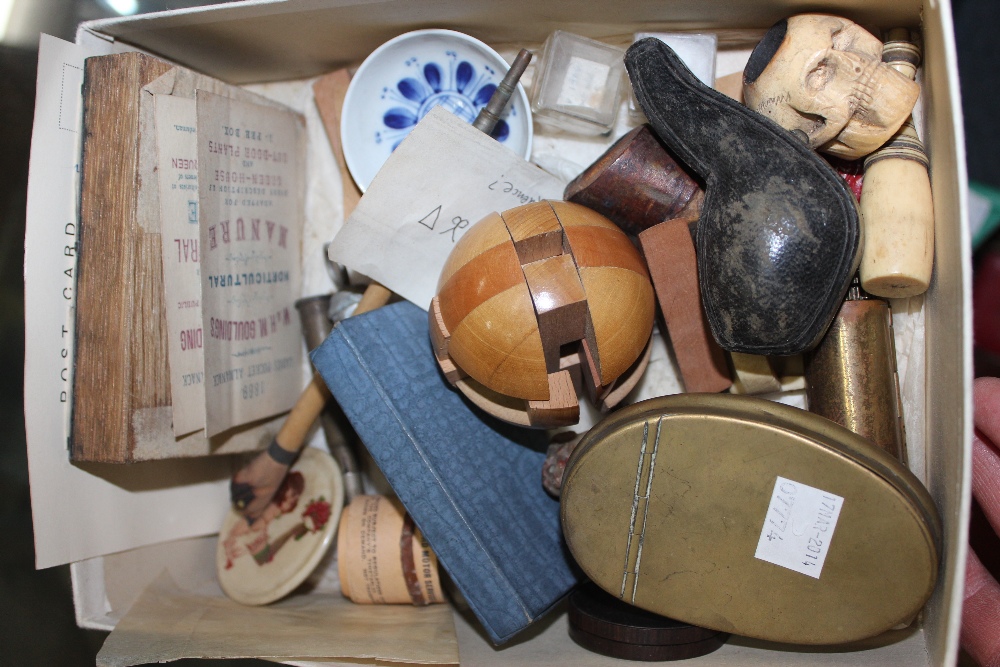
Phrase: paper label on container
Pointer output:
(444, 177)
(584, 84)
(383, 557)
(798, 527)
(250, 217)
(177, 166)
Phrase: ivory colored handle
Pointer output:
(898, 214)
(897, 209)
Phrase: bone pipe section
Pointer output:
(897, 208)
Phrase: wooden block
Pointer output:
(627, 382)
(622, 308)
(439, 340)
(481, 237)
(590, 372)
(439, 332)
(670, 255)
(536, 232)
(563, 407)
(507, 408)
(571, 362)
(511, 355)
(329, 92)
(560, 304)
(452, 373)
(494, 271)
(576, 215)
(595, 247)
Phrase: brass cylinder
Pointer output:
(851, 376)
(316, 324)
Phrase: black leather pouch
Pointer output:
(779, 237)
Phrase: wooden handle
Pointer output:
(375, 296)
(307, 409)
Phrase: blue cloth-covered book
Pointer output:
(471, 483)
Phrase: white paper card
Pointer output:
(445, 176)
(798, 527)
(250, 214)
(177, 166)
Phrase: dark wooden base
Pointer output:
(604, 624)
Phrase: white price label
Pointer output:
(798, 527)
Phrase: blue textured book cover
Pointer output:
(471, 483)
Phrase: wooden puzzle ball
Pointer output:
(539, 304)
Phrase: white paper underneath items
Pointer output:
(798, 527)
(167, 623)
(444, 177)
(177, 166)
(250, 212)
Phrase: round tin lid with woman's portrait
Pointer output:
(262, 561)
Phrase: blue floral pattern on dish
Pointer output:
(455, 85)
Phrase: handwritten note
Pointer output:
(177, 166)
(443, 178)
(250, 215)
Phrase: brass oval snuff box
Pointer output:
(751, 517)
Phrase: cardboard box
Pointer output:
(260, 41)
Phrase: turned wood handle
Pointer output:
(375, 296)
(305, 411)
(310, 404)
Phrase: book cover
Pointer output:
(472, 484)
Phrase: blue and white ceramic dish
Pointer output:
(408, 76)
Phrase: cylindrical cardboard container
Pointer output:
(382, 557)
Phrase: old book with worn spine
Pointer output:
(122, 399)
